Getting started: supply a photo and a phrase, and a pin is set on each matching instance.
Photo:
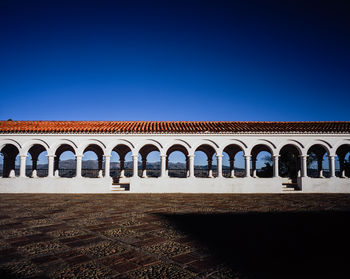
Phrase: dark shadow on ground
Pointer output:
(274, 245)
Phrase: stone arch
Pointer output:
(34, 150)
(28, 145)
(319, 149)
(122, 150)
(177, 147)
(89, 142)
(297, 144)
(99, 151)
(117, 142)
(184, 143)
(61, 142)
(290, 161)
(271, 146)
(323, 143)
(232, 148)
(340, 143)
(209, 150)
(205, 142)
(344, 165)
(144, 151)
(9, 151)
(153, 142)
(262, 146)
(3, 142)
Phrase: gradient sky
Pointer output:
(174, 60)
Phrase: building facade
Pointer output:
(300, 142)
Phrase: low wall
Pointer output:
(170, 185)
(206, 185)
(325, 185)
(55, 185)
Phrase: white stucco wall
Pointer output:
(164, 141)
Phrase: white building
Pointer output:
(293, 140)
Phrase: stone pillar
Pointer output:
(144, 166)
(254, 166)
(22, 166)
(247, 165)
(100, 160)
(232, 168)
(135, 166)
(79, 164)
(332, 165)
(122, 167)
(341, 166)
(50, 169)
(187, 167)
(167, 166)
(56, 162)
(163, 165)
(303, 165)
(34, 163)
(219, 164)
(210, 167)
(275, 165)
(107, 165)
(191, 165)
(34, 166)
(319, 165)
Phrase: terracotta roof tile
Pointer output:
(177, 127)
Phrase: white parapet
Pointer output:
(55, 185)
(170, 185)
(325, 185)
(205, 185)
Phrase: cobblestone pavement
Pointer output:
(174, 236)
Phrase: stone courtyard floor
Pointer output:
(174, 236)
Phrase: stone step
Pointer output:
(288, 190)
(117, 188)
(289, 187)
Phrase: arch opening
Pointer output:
(317, 162)
(343, 161)
(121, 162)
(65, 161)
(9, 161)
(233, 161)
(205, 163)
(262, 162)
(149, 155)
(92, 161)
(177, 163)
(37, 161)
(289, 162)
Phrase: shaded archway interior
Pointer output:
(122, 150)
(209, 152)
(57, 168)
(344, 166)
(10, 153)
(265, 171)
(232, 150)
(177, 173)
(34, 152)
(316, 154)
(289, 162)
(144, 151)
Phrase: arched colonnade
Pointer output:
(314, 158)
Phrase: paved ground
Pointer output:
(174, 236)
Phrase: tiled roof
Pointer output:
(172, 127)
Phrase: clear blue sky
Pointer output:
(174, 60)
